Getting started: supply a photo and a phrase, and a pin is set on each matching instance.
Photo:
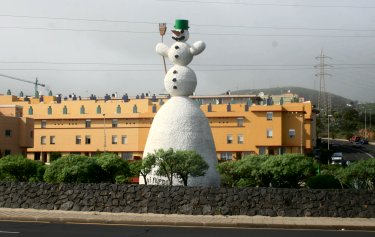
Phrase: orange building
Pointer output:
(16, 131)
(240, 124)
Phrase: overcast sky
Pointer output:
(105, 46)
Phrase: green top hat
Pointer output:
(181, 24)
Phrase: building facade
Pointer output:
(16, 131)
(240, 124)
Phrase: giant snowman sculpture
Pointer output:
(180, 124)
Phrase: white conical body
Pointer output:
(180, 124)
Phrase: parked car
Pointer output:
(364, 141)
(354, 139)
(337, 159)
(357, 144)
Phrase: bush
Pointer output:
(18, 168)
(288, 171)
(360, 175)
(323, 182)
(73, 169)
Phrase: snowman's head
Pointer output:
(181, 31)
(180, 35)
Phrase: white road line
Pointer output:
(8, 232)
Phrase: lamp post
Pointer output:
(328, 116)
(104, 135)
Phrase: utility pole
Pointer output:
(323, 96)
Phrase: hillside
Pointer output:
(308, 94)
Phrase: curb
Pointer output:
(104, 218)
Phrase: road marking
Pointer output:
(8, 232)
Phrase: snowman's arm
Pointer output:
(197, 47)
(162, 49)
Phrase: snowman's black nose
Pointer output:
(176, 56)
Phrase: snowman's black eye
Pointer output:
(176, 47)
(182, 31)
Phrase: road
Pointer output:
(32, 229)
(351, 152)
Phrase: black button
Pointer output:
(175, 87)
(176, 47)
(174, 72)
(174, 79)
(176, 56)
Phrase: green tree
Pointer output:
(73, 169)
(189, 164)
(143, 167)
(175, 164)
(18, 168)
(112, 166)
(166, 163)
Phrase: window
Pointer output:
(209, 107)
(32, 134)
(269, 133)
(239, 122)
(88, 139)
(292, 133)
(31, 110)
(82, 110)
(135, 109)
(43, 140)
(118, 109)
(49, 110)
(269, 115)
(98, 109)
(226, 156)
(8, 133)
(240, 139)
(124, 139)
(114, 123)
(229, 139)
(114, 139)
(262, 150)
(88, 123)
(65, 110)
(127, 155)
(78, 139)
(52, 140)
(154, 109)
(229, 107)
(7, 152)
(43, 124)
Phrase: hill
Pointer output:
(308, 94)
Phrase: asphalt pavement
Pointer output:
(57, 216)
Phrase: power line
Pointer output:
(205, 34)
(199, 25)
(79, 30)
(269, 4)
(77, 19)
